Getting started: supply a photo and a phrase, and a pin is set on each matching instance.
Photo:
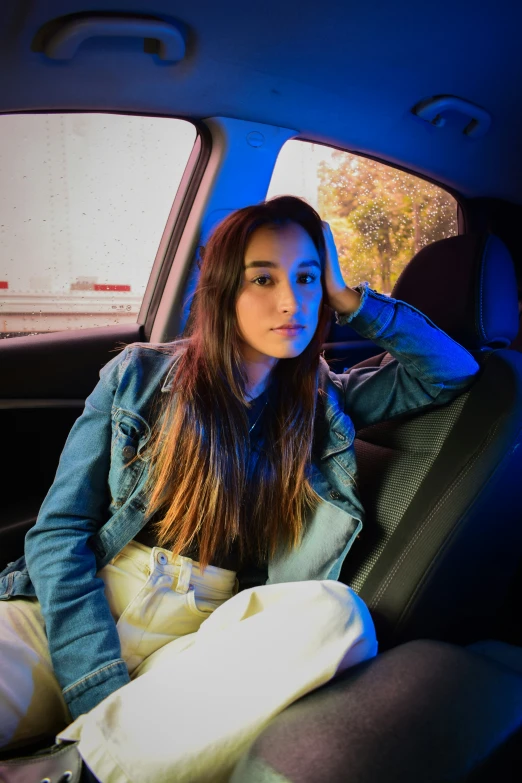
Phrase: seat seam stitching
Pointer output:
(428, 519)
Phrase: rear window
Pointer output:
(84, 202)
(380, 216)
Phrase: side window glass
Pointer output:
(380, 216)
(84, 202)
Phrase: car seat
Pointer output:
(442, 489)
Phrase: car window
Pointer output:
(84, 201)
(380, 216)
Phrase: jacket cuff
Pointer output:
(373, 314)
(363, 289)
(88, 692)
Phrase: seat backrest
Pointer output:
(442, 489)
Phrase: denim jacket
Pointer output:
(95, 505)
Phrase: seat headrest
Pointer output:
(467, 286)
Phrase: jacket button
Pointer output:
(128, 451)
(335, 495)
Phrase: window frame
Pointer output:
(179, 211)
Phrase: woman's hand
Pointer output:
(339, 296)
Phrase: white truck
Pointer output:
(84, 200)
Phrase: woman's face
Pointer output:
(281, 285)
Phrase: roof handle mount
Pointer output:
(432, 110)
(66, 40)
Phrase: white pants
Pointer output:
(208, 671)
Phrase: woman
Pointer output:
(179, 587)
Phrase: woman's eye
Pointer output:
(311, 279)
(262, 277)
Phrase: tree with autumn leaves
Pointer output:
(380, 217)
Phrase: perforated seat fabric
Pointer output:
(402, 455)
(442, 491)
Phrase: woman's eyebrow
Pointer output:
(273, 265)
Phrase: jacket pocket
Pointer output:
(16, 565)
(344, 466)
(15, 580)
(130, 433)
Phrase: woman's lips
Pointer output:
(289, 332)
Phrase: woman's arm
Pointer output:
(83, 641)
(428, 366)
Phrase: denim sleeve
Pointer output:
(83, 641)
(428, 366)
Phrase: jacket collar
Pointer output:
(167, 383)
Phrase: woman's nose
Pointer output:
(288, 301)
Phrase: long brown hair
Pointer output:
(199, 449)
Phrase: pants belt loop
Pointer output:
(185, 573)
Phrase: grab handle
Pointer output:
(65, 42)
(432, 110)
